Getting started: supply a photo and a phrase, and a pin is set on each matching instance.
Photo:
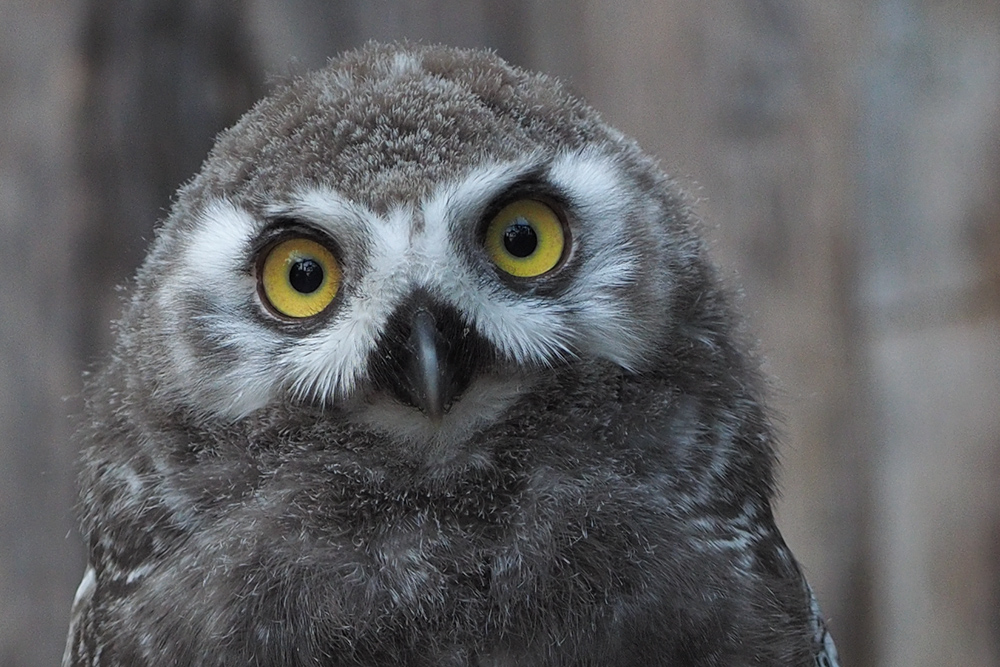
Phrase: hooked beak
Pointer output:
(424, 372)
(428, 355)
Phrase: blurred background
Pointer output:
(845, 156)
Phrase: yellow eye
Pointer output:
(299, 278)
(525, 239)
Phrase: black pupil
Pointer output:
(519, 238)
(305, 276)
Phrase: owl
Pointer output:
(428, 366)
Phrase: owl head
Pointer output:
(409, 242)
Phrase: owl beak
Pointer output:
(425, 371)
(427, 356)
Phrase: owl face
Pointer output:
(409, 246)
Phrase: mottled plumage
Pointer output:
(448, 459)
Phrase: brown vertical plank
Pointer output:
(931, 132)
(39, 564)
